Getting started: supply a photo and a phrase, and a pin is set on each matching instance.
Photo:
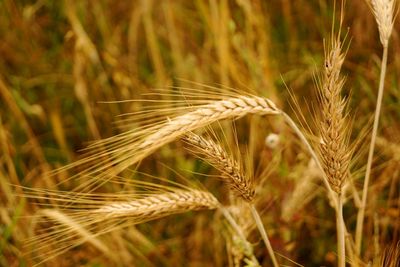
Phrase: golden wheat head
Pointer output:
(215, 154)
(109, 157)
(333, 127)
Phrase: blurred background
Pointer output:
(61, 60)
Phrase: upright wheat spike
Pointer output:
(384, 15)
(232, 171)
(333, 149)
(244, 250)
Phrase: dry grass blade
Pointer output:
(306, 189)
(391, 256)
(232, 171)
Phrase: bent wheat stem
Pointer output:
(264, 235)
(312, 152)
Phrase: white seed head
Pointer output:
(383, 12)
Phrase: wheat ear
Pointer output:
(232, 173)
(93, 215)
(160, 205)
(134, 145)
(384, 14)
(231, 170)
(229, 108)
(334, 149)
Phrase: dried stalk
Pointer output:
(384, 15)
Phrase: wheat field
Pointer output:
(199, 133)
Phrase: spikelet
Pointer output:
(128, 148)
(214, 154)
(229, 108)
(83, 217)
(333, 127)
(160, 205)
(384, 15)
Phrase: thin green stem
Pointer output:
(233, 223)
(361, 211)
(340, 231)
(264, 235)
(238, 230)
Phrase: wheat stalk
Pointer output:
(383, 11)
